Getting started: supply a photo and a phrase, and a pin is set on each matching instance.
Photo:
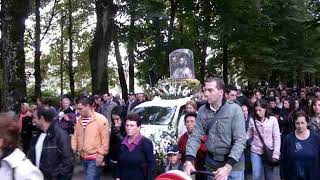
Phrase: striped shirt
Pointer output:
(85, 121)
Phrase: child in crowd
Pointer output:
(174, 158)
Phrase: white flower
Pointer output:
(186, 92)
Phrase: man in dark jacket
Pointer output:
(51, 151)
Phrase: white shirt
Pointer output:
(38, 147)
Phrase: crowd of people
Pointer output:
(230, 132)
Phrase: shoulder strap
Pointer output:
(255, 124)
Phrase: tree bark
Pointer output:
(225, 60)
(70, 67)
(99, 50)
(131, 48)
(37, 53)
(122, 78)
(61, 54)
(14, 14)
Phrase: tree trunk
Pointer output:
(14, 14)
(122, 78)
(37, 53)
(173, 10)
(131, 48)
(203, 56)
(99, 50)
(70, 68)
(225, 61)
(61, 54)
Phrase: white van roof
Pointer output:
(165, 102)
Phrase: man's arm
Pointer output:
(104, 135)
(238, 136)
(66, 165)
(74, 138)
(194, 140)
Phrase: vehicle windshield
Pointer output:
(155, 114)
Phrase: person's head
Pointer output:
(271, 94)
(190, 121)
(261, 109)
(106, 97)
(133, 124)
(245, 110)
(303, 93)
(278, 100)
(141, 97)
(214, 90)
(316, 106)
(84, 106)
(131, 96)
(118, 116)
(24, 107)
(231, 93)
(288, 104)
(65, 103)
(317, 93)
(47, 102)
(9, 133)
(272, 102)
(191, 106)
(97, 99)
(42, 117)
(173, 154)
(296, 103)
(258, 94)
(33, 107)
(253, 99)
(284, 93)
(301, 121)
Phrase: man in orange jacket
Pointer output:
(90, 138)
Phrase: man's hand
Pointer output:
(99, 161)
(188, 167)
(223, 172)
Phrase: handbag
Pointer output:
(267, 152)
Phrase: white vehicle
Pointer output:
(160, 119)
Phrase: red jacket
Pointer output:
(201, 154)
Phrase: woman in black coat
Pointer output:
(118, 133)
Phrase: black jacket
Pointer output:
(56, 158)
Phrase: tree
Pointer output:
(99, 50)
(14, 14)
(70, 64)
(37, 53)
(122, 78)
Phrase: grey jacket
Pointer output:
(226, 136)
(314, 125)
(106, 109)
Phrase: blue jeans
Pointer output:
(260, 169)
(91, 171)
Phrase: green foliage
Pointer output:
(277, 40)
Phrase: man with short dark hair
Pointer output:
(224, 123)
(90, 138)
(51, 151)
(107, 105)
(231, 93)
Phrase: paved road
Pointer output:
(78, 174)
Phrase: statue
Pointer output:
(181, 64)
